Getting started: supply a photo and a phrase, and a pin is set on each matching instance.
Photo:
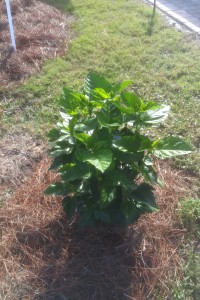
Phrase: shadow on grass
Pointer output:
(65, 5)
(83, 263)
(151, 24)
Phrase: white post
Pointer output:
(10, 24)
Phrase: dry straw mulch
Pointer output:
(44, 256)
(41, 31)
(19, 152)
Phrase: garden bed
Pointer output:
(44, 256)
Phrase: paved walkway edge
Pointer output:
(175, 16)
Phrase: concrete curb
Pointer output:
(172, 11)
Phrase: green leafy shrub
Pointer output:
(100, 148)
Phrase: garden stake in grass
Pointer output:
(101, 148)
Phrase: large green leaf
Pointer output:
(126, 111)
(170, 147)
(87, 209)
(94, 81)
(130, 212)
(115, 178)
(101, 139)
(110, 117)
(127, 158)
(154, 116)
(59, 161)
(144, 196)
(59, 134)
(149, 105)
(121, 86)
(101, 159)
(148, 173)
(69, 205)
(70, 172)
(146, 143)
(54, 134)
(87, 125)
(132, 101)
(101, 93)
(57, 188)
(103, 118)
(129, 144)
(72, 124)
(58, 152)
(98, 139)
(70, 101)
(84, 138)
(108, 194)
(63, 147)
(145, 167)
(65, 119)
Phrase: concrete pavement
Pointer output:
(186, 12)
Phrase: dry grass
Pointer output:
(18, 154)
(44, 256)
(41, 31)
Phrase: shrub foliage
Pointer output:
(101, 148)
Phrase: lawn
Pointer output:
(119, 40)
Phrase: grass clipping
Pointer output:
(44, 256)
(41, 31)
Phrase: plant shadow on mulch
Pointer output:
(43, 256)
(92, 264)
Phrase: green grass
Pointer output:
(119, 40)
(189, 211)
(188, 285)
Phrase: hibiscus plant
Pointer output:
(103, 154)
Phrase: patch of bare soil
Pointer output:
(44, 256)
(19, 152)
(41, 31)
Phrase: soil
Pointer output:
(41, 31)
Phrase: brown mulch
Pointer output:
(19, 152)
(44, 256)
(41, 31)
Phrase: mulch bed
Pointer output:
(41, 31)
(45, 256)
